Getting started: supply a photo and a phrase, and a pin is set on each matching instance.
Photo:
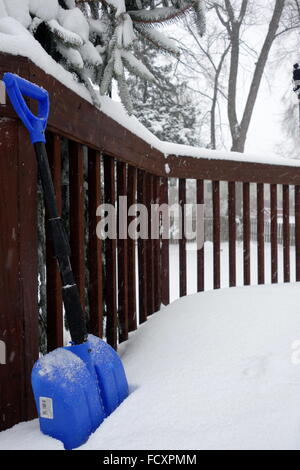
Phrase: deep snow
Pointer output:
(211, 371)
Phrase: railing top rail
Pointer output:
(75, 118)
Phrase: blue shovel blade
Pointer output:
(76, 388)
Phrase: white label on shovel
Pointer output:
(2, 93)
(46, 408)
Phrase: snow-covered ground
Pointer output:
(211, 371)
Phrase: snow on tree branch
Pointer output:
(94, 39)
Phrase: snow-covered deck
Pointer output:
(211, 371)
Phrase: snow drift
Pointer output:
(211, 371)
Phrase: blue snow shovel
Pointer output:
(75, 387)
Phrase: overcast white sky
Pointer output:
(266, 129)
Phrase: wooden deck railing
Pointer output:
(99, 150)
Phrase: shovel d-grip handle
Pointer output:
(17, 88)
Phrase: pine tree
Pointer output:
(94, 39)
(165, 107)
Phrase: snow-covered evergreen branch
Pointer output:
(94, 39)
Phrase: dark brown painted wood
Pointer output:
(142, 252)
(246, 234)
(110, 257)
(156, 244)
(297, 231)
(11, 373)
(124, 145)
(28, 290)
(200, 252)
(18, 273)
(216, 234)
(232, 233)
(227, 170)
(182, 240)
(286, 233)
(150, 245)
(274, 235)
(260, 234)
(77, 225)
(131, 247)
(122, 251)
(55, 323)
(164, 252)
(95, 287)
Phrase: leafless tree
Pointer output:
(202, 64)
(216, 63)
(233, 16)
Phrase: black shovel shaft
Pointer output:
(61, 250)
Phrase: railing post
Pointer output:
(156, 248)
(182, 241)
(131, 247)
(200, 252)
(260, 234)
(150, 246)
(297, 231)
(286, 232)
(95, 245)
(110, 257)
(77, 224)
(122, 252)
(246, 234)
(274, 234)
(18, 273)
(232, 232)
(164, 252)
(216, 234)
(142, 253)
(54, 293)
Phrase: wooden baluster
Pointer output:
(122, 252)
(286, 232)
(95, 245)
(232, 233)
(131, 248)
(156, 245)
(54, 293)
(150, 258)
(77, 239)
(297, 231)
(110, 257)
(165, 261)
(274, 233)
(142, 253)
(216, 234)
(246, 234)
(260, 234)
(200, 252)
(182, 241)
